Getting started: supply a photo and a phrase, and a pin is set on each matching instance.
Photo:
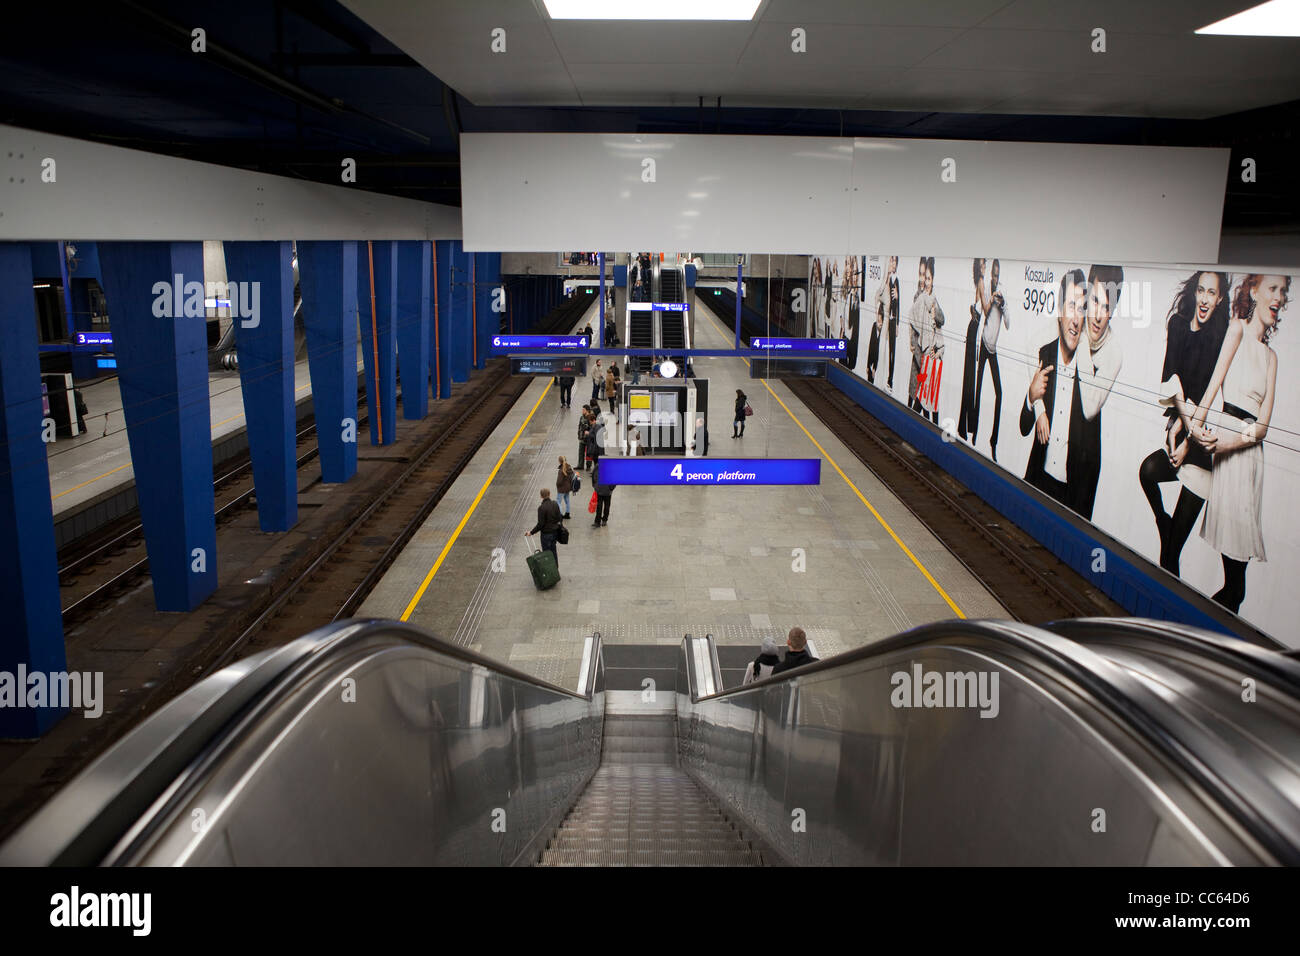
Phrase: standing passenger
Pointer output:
(738, 425)
(564, 485)
(604, 492)
(548, 523)
(597, 382)
(566, 391)
(611, 392)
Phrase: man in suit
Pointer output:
(1053, 410)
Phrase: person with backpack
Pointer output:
(594, 447)
(797, 655)
(564, 484)
(765, 663)
(604, 492)
(548, 523)
(742, 406)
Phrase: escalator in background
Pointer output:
(641, 335)
(672, 325)
(1138, 725)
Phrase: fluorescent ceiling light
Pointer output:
(651, 9)
(1277, 18)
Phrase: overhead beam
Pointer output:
(106, 192)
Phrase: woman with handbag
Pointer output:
(564, 485)
(742, 410)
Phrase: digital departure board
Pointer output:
(575, 365)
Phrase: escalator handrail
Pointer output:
(86, 819)
(1229, 651)
(1152, 720)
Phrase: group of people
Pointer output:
(639, 277)
(604, 385)
(567, 480)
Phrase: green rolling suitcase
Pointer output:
(542, 564)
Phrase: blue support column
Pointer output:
(600, 260)
(414, 338)
(460, 306)
(32, 635)
(327, 276)
(442, 286)
(488, 273)
(155, 293)
(740, 277)
(264, 342)
(378, 324)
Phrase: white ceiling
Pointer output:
(954, 56)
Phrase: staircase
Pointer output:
(641, 809)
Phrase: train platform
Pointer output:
(846, 560)
(96, 465)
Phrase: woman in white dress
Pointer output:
(1247, 373)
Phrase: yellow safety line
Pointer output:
(428, 578)
(90, 482)
(883, 523)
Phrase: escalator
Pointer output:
(672, 325)
(1106, 742)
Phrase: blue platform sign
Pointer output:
(825, 346)
(503, 344)
(710, 471)
(658, 307)
(97, 339)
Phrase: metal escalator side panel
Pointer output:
(307, 749)
(818, 765)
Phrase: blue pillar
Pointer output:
(459, 337)
(327, 276)
(378, 324)
(442, 289)
(264, 342)
(32, 635)
(155, 291)
(740, 276)
(414, 340)
(600, 259)
(488, 273)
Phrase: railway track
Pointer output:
(93, 571)
(340, 578)
(1027, 579)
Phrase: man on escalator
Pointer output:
(796, 654)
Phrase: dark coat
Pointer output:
(603, 490)
(1083, 456)
(548, 517)
(563, 482)
(792, 660)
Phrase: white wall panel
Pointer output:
(534, 191)
(1056, 201)
(537, 191)
(106, 192)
